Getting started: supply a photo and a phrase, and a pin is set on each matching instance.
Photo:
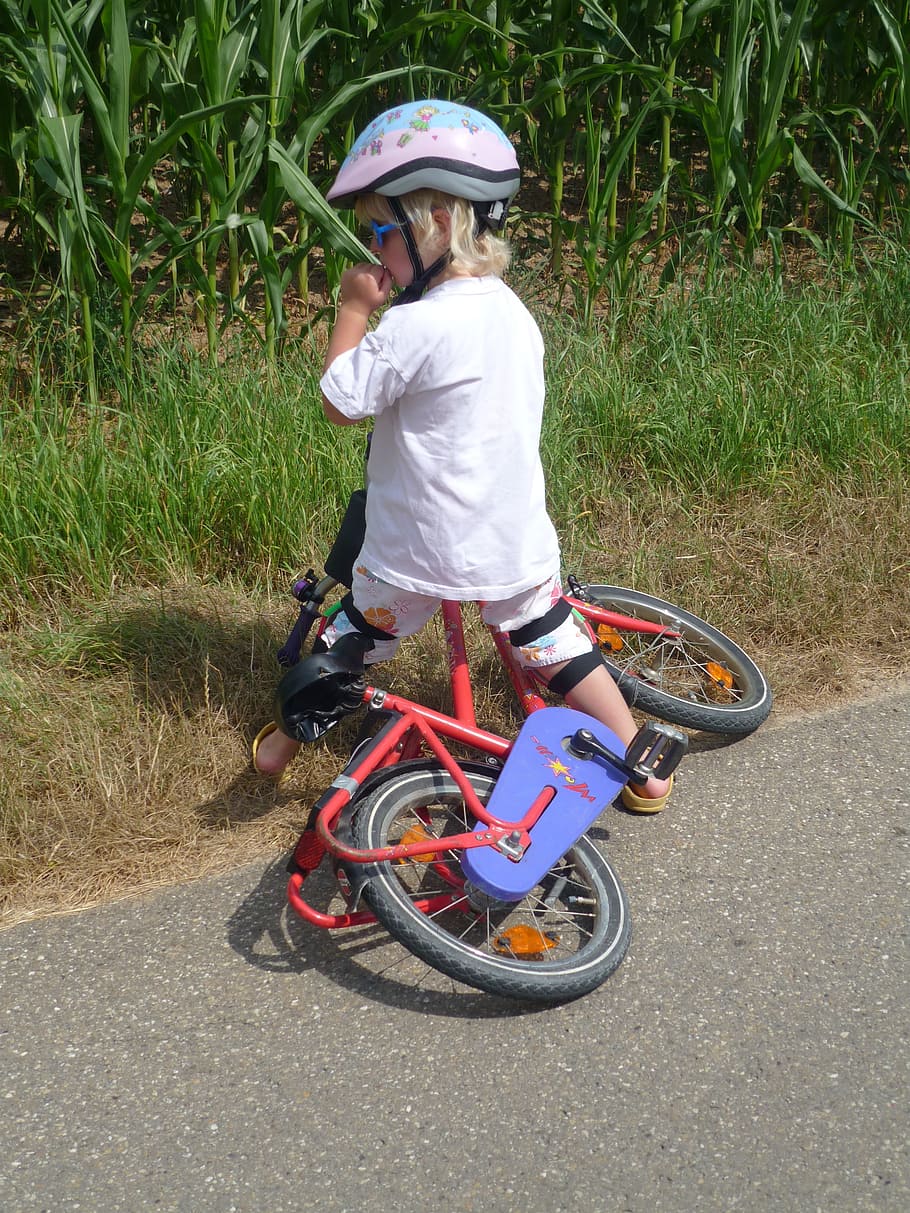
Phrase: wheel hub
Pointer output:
(483, 902)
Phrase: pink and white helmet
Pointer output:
(438, 145)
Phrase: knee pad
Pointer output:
(529, 632)
(573, 672)
(576, 667)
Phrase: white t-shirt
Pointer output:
(456, 504)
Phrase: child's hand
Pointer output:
(365, 287)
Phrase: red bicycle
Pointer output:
(481, 866)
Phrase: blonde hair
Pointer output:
(472, 252)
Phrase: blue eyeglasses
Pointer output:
(380, 229)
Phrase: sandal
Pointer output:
(644, 804)
(280, 777)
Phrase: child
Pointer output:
(453, 381)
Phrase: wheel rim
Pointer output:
(693, 668)
(556, 924)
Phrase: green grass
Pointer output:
(740, 385)
(216, 470)
(735, 385)
(737, 448)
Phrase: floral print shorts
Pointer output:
(404, 612)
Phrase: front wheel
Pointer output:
(560, 941)
(699, 679)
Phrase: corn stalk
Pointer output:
(666, 153)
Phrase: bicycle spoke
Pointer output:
(675, 668)
(558, 926)
(565, 935)
(569, 918)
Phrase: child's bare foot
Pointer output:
(272, 750)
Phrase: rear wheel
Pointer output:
(700, 679)
(560, 941)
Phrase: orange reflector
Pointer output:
(609, 638)
(722, 676)
(526, 942)
(408, 838)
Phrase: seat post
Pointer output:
(459, 675)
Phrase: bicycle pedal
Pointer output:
(656, 750)
(308, 852)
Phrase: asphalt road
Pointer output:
(200, 1050)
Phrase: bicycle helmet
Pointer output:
(440, 145)
(319, 690)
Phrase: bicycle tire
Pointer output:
(583, 934)
(679, 680)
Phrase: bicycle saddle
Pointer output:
(319, 690)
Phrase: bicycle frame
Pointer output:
(412, 728)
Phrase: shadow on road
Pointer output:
(268, 935)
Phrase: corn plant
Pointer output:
(895, 77)
(606, 255)
(194, 143)
(676, 26)
(94, 228)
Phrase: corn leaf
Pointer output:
(305, 195)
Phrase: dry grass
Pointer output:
(126, 733)
(126, 726)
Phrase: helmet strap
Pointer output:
(422, 277)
